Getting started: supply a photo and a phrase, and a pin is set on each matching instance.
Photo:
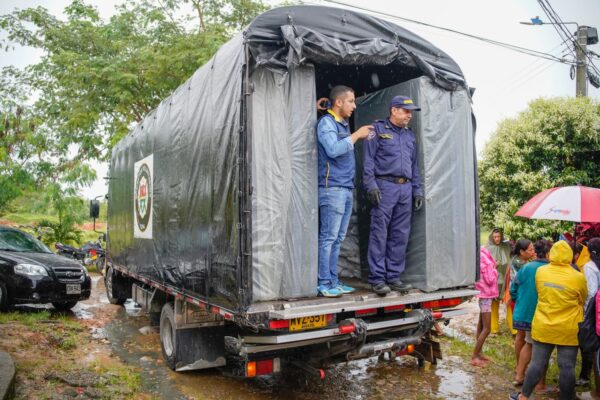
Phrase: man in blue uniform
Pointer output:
(393, 183)
(336, 181)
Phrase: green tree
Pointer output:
(97, 78)
(18, 145)
(555, 142)
(68, 209)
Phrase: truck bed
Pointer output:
(362, 298)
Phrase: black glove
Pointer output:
(374, 196)
(417, 203)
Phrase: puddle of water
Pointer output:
(454, 383)
(98, 333)
(82, 313)
(127, 343)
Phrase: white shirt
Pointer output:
(592, 276)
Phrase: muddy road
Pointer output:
(122, 337)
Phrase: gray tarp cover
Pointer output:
(284, 180)
(194, 135)
(284, 37)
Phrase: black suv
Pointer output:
(31, 273)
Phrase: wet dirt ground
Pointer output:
(122, 335)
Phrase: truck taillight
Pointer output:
(262, 367)
(365, 312)
(398, 307)
(279, 323)
(409, 349)
(442, 303)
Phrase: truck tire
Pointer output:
(64, 305)
(109, 281)
(168, 335)
(3, 297)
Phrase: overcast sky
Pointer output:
(505, 81)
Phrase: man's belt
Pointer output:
(395, 179)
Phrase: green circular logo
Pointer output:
(143, 197)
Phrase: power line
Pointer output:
(509, 46)
(559, 26)
(538, 61)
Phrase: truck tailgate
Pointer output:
(359, 300)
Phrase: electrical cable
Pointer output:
(509, 46)
(559, 26)
(534, 65)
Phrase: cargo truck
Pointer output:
(213, 209)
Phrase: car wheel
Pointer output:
(168, 342)
(64, 305)
(109, 281)
(3, 297)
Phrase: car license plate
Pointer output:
(315, 321)
(73, 288)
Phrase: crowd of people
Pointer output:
(545, 288)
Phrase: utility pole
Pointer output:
(580, 52)
(585, 35)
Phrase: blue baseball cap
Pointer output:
(404, 102)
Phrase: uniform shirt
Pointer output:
(561, 294)
(392, 151)
(336, 155)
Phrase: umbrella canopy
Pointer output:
(567, 203)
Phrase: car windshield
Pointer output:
(14, 240)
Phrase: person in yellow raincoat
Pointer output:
(561, 294)
(500, 250)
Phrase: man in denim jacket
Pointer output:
(336, 181)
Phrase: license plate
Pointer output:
(315, 321)
(73, 288)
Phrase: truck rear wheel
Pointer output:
(109, 281)
(168, 336)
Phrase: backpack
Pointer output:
(588, 337)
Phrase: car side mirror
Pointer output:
(94, 209)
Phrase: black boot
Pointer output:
(399, 286)
(381, 289)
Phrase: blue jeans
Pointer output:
(335, 209)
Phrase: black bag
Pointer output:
(588, 340)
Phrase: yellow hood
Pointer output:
(561, 253)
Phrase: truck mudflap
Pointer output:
(356, 337)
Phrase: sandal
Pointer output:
(517, 383)
(547, 390)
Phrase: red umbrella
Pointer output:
(567, 203)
